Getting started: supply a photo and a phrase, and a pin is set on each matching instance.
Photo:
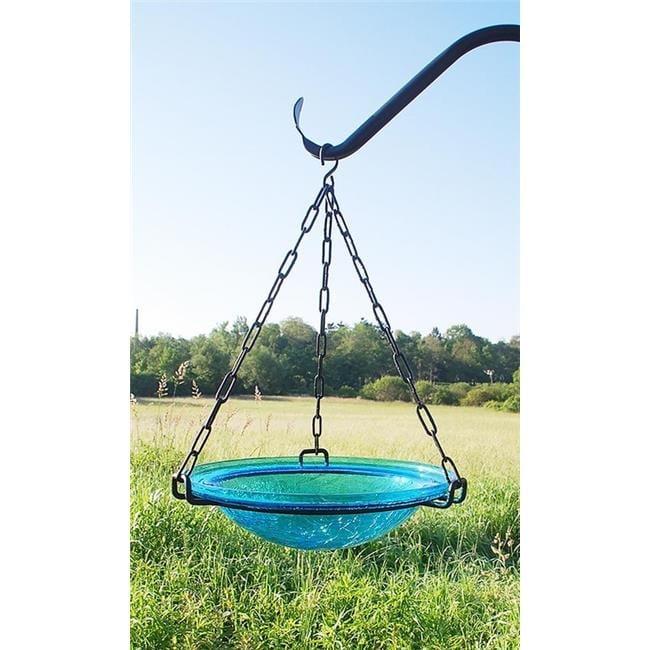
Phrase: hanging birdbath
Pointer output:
(314, 500)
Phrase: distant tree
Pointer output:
(466, 360)
(239, 327)
(435, 358)
(505, 359)
(284, 358)
(166, 354)
(412, 348)
(340, 367)
(469, 354)
(297, 347)
(270, 336)
(139, 354)
(435, 333)
(264, 369)
(459, 332)
(209, 360)
(368, 353)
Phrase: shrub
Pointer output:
(442, 394)
(425, 390)
(483, 393)
(386, 389)
(512, 404)
(494, 405)
(459, 390)
(346, 391)
(516, 377)
(449, 394)
(367, 391)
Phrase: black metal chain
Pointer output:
(228, 382)
(402, 365)
(321, 337)
(333, 212)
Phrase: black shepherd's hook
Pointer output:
(407, 93)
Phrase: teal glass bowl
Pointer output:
(317, 506)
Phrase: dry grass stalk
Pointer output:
(179, 375)
(162, 386)
(502, 548)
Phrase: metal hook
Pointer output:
(322, 162)
(320, 153)
(407, 93)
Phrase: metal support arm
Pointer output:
(407, 93)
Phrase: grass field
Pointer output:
(445, 579)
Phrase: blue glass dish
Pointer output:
(318, 506)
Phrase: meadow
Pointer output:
(444, 579)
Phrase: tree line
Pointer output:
(283, 360)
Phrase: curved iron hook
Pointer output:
(407, 93)
(322, 162)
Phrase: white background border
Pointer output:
(66, 313)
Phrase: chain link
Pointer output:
(401, 364)
(323, 307)
(228, 382)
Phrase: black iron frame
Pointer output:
(452, 498)
(406, 94)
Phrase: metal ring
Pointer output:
(321, 151)
(321, 451)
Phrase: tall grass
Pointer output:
(445, 579)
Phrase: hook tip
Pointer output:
(297, 108)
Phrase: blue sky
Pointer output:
(221, 180)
